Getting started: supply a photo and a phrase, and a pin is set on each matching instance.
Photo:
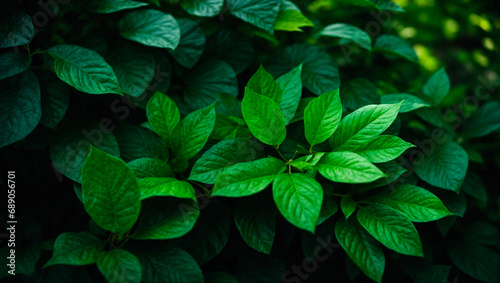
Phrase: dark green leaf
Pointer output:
(348, 206)
(264, 84)
(111, 6)
(20, 107)
(16, 28)
(437, 86)
(434, 274)
(410, 103)
(223, 155)
(163, 115)
(256, 225)
(291, 84)
(76, 249)
(348, 32)
(137, 142)
(150, 167)
(151, 28)
(84, 69)
(55, 99)
(206, 81)
(443, 165)
(191, 45)
(119, 266)
(264, 118)
(484, 121)
(110, 192)
(319, 70)
(392, 44)
(358, 93)
(202, 8)
(476, 260)
(261, 14)
(134, 69)
(232, 48)
(361, 248)
(12, 63)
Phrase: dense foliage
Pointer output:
(250, 140)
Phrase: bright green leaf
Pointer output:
(410, 103)
(291, 84)
(264, 84)
(392, 228)
(416, 203)
(322, 117)
(290, 18)
(363, 124)
(163, 115)
(437, 86)
(298, 198)
(244, 179)
(348, 167)
(348, 206)
(381, 149)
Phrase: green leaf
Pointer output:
(298, 198)
(202, 8)
(263, 117)
(137, 142)
(206, 81)
(20, 107)
(476, 260)
(209, 235)
(291, 84)
(167, 264)
(222, 156)
(322, 117)
(71, 145)
(434, 273)
(84, 69)
(261, 14)
(150, 167)
(484, 121)
(12, 63)
(244, 179)
(191, 134)
(290, 18)
(437, 86)
(151, 28)
(55, 99)
(363, 124)
(361, 248)
(382, 148)
(16, 28)
(163, 115)
(348, 206)
(410, 103)
(418, 204)
(443, 165)
(319, 70)
(119, 266)
(164, 187)
(191, 45)
(392, 171)
(256, 225)
(110, 192)
(166, 218)
(392, 44)
(111, 6)
(348, 32)
(76, 249)
(378, 4)
(134, 69)
(348, 167)
(264, 84)
(392, 228)
(328, 208)
(358, 93)
(232, 48)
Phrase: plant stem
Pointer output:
(279, 152)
